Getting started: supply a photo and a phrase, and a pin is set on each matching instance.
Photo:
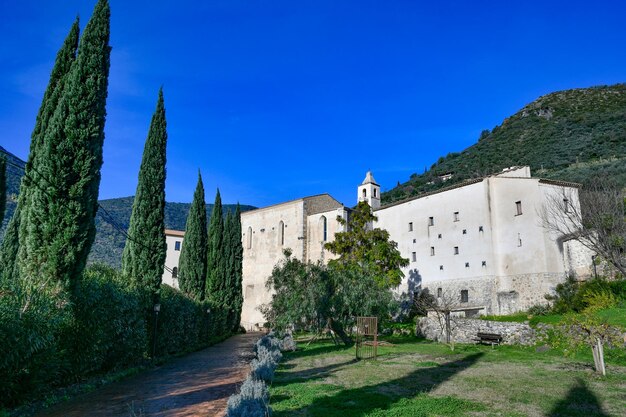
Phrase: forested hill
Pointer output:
(569, 135)
(109, 242)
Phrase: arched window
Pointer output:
(281, 233)
(175, 272)
(249, 238)
(364, 193)
(324, 228)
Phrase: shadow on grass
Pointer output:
(308, 375)
(580, 402)
(378, 398)
(318, 348)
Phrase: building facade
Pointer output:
(174, 242)
(480, 242)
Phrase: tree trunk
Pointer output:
(598, 357)
(337, 328)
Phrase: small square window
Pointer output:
(464, 231)
(439, 236)
(456, 216)
(410, 226)
(431, 221)
(480, 228)
(414, 256)
(484, 263)
(441, 267)
(439, 292)
(414, 240)
(464, 296)
(467, 264)
(456, 250)
(432, 251)
(518, 208)
(177, 245)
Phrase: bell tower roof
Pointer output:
(369, 179)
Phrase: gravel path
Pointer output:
(198, 384)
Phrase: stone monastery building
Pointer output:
(480, 241)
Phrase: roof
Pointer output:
(289, 202)
(170, 232)
(369, 179)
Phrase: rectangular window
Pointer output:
(414, 240)
(456, 250)
(518, 208)
(480, 228)
(566, 205)
(439, 292)
(177, 245)
(467, 264)
(441, 267)
(464, 296)
(464, 231)
(439, 236)
(456, 216)
(410, 226)
(414, 256)
(431, 221)
(484, 263)
(432, 251)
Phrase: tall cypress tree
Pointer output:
(216, 259)
(192, 266)
(62, 65)
(229, 275)
(3, 187)
(236, 268)
(144, 254)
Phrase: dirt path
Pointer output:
(196, 385)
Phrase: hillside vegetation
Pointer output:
(569, 135)
(109, 243)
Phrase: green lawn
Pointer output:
(420, 378)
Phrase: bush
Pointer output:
(539, 310)
(288, 343)
(262, 370)
(273, 355)
(252, 401)
(573, 296)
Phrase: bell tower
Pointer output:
(369, 191)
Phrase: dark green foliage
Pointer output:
(144, 253)
(8, 253)
(568, 135)
(574, 296)
(234, 256)
(57, 215)
(313, 296)
(3, 187)
(362, 246)
(192, 266)
(216, 259)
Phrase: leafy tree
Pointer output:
(192, 267)
(144, 254)
(363, 247)
(63, 63)
(316, 297)
(57, 218)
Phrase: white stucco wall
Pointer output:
(172, 257)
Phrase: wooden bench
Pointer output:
(489, 338)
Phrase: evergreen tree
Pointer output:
(3, 187)
(216, 259)
(57, 225)
(144, 254)
(192, 266)
(63, 63)
(236, 267)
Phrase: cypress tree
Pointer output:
(57, 225)
(236, 268)
(144, 254)
(229, 275)
(192, 266)
(3, 187)
(216, 259)
(62, 65)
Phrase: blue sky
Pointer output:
(275, 100)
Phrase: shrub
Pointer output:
(252, 401)
(273, 355)
(288, 343)
(262, 370)
(539, 310)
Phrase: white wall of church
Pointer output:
(174, 241)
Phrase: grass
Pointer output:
(415, 377)
(615, 316)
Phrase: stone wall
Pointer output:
(465, 330)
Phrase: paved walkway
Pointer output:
(198, 384)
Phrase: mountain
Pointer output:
(569, 135)
(113, 215)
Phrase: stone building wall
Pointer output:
(465, 330)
